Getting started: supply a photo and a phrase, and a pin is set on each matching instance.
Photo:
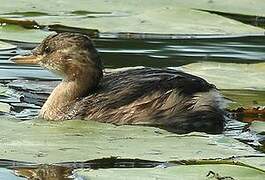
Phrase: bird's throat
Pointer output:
(61, 99)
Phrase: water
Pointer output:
(117, 53)
(122, 52)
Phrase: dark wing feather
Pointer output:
(148, 96)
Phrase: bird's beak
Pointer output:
(26, 59)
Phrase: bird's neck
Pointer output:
(65, 95)
(61, 98)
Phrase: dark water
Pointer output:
(118, 53)
(63, 171)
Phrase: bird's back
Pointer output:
(170, 99)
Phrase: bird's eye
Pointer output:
(47, 49)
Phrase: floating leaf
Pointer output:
(230, 75)
(4, 107)
(160, 17)
(258, 127)
(18, 33)
(47, 142)
(245, 98)
(5, 46)
(199, 172)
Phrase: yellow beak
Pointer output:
(28, 59)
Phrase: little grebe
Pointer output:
(170, 99)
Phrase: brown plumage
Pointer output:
(170, 99)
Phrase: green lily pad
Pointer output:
(245, 98)
(4, 45)
(4, 107)
(230, 75)
(258, 162)
(160, 17)
(18, 33)
(258, 127)
(247, 7)
(198, 172)
(46, 142)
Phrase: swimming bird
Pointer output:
(166, 98)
